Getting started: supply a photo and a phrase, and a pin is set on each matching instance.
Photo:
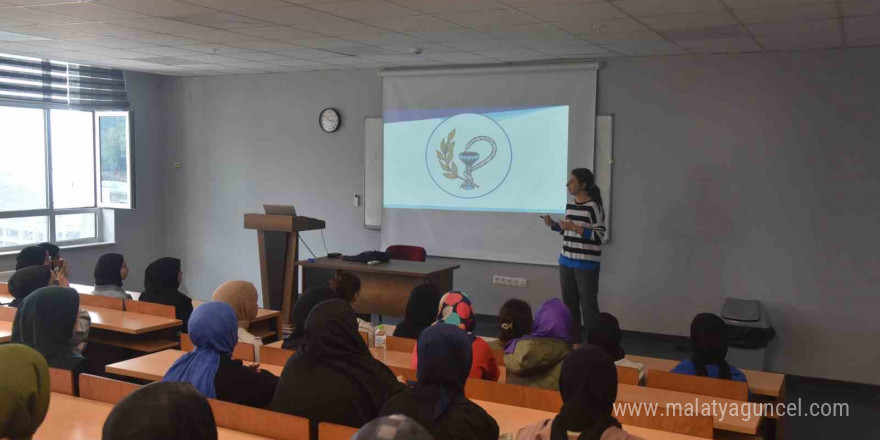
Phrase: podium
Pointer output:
(278, 238)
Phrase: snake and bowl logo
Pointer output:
(468, 155)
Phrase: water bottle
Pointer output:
(379, 343)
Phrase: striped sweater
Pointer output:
(583, 251)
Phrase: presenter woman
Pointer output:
(583, 230)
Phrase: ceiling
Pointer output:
(222, 37)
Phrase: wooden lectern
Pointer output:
(277, 237)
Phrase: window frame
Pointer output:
(50, 212)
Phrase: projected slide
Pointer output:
(498, 159)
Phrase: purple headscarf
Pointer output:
(553, 320)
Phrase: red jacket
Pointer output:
(482, 366)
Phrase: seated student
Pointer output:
(55, 260)
(214, 331)
(32, 256)
(455, 309)
(304, 305)
(588, 386)
(333, 377)
(421, 309)
(348, 287)
(514, 320)
(25, 281)
(242, 297)
(393, 427)
(536, 359)
(24, 390)
(605, 334)
(709, 343)
(437, 401)
(161, 282)
(168, 411)
(45, 321)
(110, 271)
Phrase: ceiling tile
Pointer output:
(476, 45)
(169, 61)
(536, 30)
(291, 15)
(161, 25)
(37, 17)
(239, 5)
(222, 20)
(787, 13)
(385, 39)
(163, 39)
(157, 8)
(735, 31)
(118, 53)
(645, 48)
(303, 64)
(436, 6)
(690, 21)
(427, 48)
(8, 22)
(265, 45)
(342, 28)
(795, 29)
(575, 12)
(113, 43)
(581, 49)
(110, 30)
(362, 50)
(16, 47)
(402, 60)
(356, 62)
(365, 9)
(90, 12)
(28, 2)
(12, 36)
(249, 65)
(720, 45)
(55, 33)
(860, 30)
(529, 3)
(644, 8)
(421, 23)
(259, 56)
(215, 49)
(460, 35)
(325, 43)
(167, 51)
(308, 54)
(61, 45)
(457, 58)
(624, 37)
(282, 33)
(856, 9)
(512, 55)
(217, 36)
(751, 4)
(480, 18)
(611, 26)
(213, 59)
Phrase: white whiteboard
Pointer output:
(373, 173)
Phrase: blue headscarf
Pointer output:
(213, 329)
(445, 358)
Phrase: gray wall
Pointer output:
(140, 232)
(735, 175)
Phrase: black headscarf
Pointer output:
(588, 384)
(606, 335)
(161, 282)
(304, 305)
(165, 410)
(30, 256)
(445, 356)
(53, 250)
(25, 281)
(709, 342)
(108, 268)
(421, 311)
(332, 340)
(45, 322)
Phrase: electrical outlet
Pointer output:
(509, 281)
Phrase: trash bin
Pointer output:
(748, 333)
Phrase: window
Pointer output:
(58, 168)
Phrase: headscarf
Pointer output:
(709, 342)
(45, 322)
(606, 335)
(588, 384)
(162, 276)
(107, 270)
(393, 427)
(25, 281)
(161, 411)
(30, 256)
(25, 391)
(214, 332)
(445, 357)
(553, 320)
(332, 340)
(456, 309)
(420, 311)
(242, 296)
(304, 305)
(53, 250)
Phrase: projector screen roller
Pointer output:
(472, 156)
(501, 159)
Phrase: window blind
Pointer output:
(60, 84)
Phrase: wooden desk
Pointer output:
(385, 287)
(129, 330)
(260, 326)
(5, 331)
(73, 418)
(513, 418)
(154, 366)
(760, 382)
